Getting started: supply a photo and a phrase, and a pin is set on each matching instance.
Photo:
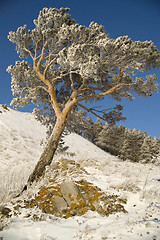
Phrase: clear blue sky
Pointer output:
(139, 19)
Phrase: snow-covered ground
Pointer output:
(21, 138)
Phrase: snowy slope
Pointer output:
(20, 134)
(20, 139)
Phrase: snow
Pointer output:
(21, 138)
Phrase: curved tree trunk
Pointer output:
(48, 153)
(51, 147)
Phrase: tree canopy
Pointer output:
(71, 61)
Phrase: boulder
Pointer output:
(71, 193)
(60, 204)
(71, 198)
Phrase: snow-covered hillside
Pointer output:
(21, 138)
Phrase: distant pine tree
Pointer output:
(127, 146)
(146, 154)
(103, 138)
(156, 147)
(97, 128)
(118, 138)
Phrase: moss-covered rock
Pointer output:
(77, 198)
(70, 198)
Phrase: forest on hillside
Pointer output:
(128, 144)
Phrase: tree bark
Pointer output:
(48, 153)
(51, 147)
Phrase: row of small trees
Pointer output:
(129, 144)
(126, 143)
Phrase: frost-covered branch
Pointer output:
(48, 66)
(99, 95)
(38, 87)
(27, 50)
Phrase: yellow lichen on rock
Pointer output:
(77, 199)
(71, 198)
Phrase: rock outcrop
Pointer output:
(72, 198)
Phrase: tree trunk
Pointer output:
(51, 147)
(48, 153)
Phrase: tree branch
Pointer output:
(34, 89)
(83, 84)
(27, 50)
(60, 76)
(41, 57)
(90, 110)
(94, 96)
(71, 79)
(35, 55)
(121, 75)
(105, 93)
(48, 66)
(51, 89)
(92, 88)
(100, 111)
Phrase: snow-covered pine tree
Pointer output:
(70, 65)
(111, 142)
(88, 129)
(97, 128)
(155, 147)
(131, 147)
(118, 139)
(126, 152)
(138, 141)
(146, 153)
(104, 139)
